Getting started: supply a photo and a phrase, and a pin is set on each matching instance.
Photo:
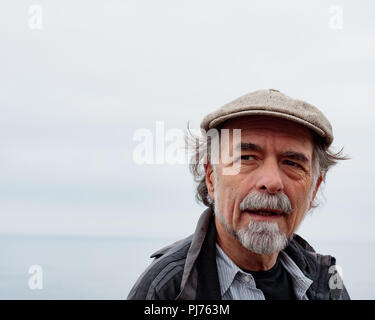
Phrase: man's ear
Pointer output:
(210, 180)
(318, 182)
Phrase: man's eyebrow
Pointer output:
(296, 156)
(249, 146)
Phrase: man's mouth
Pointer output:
(265, 213)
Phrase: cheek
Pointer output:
(303, 203)
(293, 220)
(227, 202)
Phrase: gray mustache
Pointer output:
(259, 200)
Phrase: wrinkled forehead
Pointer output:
(293, 134)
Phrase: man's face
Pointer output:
(276, 158)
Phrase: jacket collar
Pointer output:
(189, 282)
(208, 287)
(200, 278)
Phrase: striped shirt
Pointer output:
(236, 284)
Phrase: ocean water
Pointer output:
(73, 267)
(106, 268)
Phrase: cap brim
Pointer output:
(217, 121)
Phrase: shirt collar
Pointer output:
(228, 270)
(301, 283)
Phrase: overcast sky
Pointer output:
(73, 93)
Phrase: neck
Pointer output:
(242, 257)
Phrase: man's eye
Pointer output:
(247, 157)
(292, 164)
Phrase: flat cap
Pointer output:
(273, 103)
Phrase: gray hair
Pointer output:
(200, 147)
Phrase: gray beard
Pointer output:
(262, 237)
(259, 237)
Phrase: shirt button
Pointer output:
(247, 279)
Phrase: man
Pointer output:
(245, 246)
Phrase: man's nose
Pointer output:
(270, 177)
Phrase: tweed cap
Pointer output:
(273, 103)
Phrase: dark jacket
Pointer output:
(186, 269)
